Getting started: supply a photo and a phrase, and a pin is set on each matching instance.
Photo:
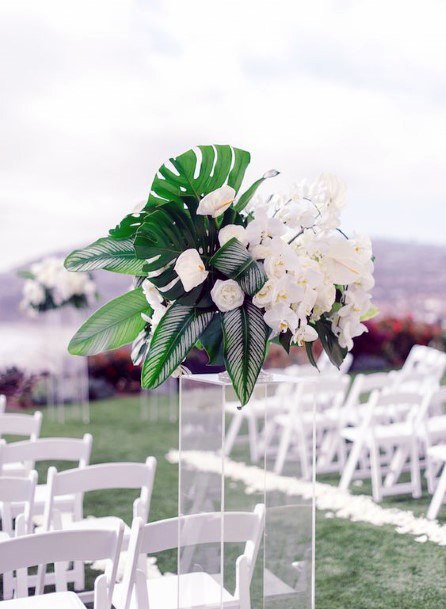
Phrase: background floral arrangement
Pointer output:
(215, 269)
(49, 286)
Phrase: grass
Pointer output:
(358, 566)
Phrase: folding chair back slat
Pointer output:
(27, 551)
(21, 425)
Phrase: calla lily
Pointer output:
(190, 269)
(216, 202)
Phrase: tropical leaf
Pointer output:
(176, 334)
(212, 341)
(248, 195)
(167, 232)
(128, 226)
(115, 324)
(198, 172)
(245, 343)
(108, 254)
(234, 261)
(330, 343)
(310, 354)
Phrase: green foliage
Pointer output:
(246, 338)
(330, 343)
(212, 341)
(218, 165)
(176, 334)
(108, 254)
(234, 261)
(115, 324)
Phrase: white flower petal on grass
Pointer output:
(227, 295)
(216, 202)
(190, 269)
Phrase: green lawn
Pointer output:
(358, 566)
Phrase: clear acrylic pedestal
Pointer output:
(228, 562)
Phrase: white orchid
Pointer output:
(262, 227)
(190, 269)
(216, 202)
(265, 296)
(230, 231)
(227, 295)
(281, 318)
(304, 334)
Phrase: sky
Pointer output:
(97, 94)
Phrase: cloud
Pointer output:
(98, 94)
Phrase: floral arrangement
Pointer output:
(222, 271)
(49, 286)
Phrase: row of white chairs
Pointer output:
(60, 504)
(191, 590)
(378, 426)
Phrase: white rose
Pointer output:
(216, 202)
(232, 230)
(190, 269)
(227, 295)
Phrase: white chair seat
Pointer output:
(438, 453)
(307, 419)
(198, 590)
(385, 433)
(104, 522)
(55, 600)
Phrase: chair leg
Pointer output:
(438, 497)
(350, 466)
(396, 466)
(415, 474)
(375, 464)
(233, 432)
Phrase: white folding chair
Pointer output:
(436, 456)
(15, 491)
(2, 404)
(58, 548)
(316, 401)
(28, 453)
(104, 476)
(26, 425)
(198, 589)
(393, 429)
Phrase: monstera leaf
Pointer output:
(167, 232)
(176, 334)
(108, 254)
(245, 341)
(196, 173)
(234, 261)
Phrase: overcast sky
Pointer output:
(96, 94)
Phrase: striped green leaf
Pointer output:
(234, 261)
(245, 342)
(106, 253)
(176, 334)
(115, 324)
